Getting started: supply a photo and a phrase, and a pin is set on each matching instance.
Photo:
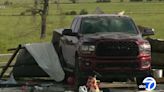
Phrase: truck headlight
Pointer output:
(145, 64)
(87, 48)
(145, 54)
(145, 48)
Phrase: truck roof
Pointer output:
(103, 15)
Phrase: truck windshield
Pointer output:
(92, 25)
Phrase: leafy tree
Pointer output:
(41, 8)
(103, 0)
(73, 1)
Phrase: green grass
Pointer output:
(16, 30)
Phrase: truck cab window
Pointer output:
(105, 24)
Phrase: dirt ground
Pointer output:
(63, 88)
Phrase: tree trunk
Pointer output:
(43, 27)
(43, 18)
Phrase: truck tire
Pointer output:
(78, 76)
(139, 80)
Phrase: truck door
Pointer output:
(69, 46)
(157, 46)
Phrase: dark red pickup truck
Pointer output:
(108, 45)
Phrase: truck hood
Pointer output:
(111, 35)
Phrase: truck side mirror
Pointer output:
(69, 32)
(146, 31)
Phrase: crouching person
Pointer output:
(91, 86)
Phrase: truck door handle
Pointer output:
(70, 42)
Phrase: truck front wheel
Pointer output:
(139, 80)
(79, 81)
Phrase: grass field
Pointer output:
(15, 29)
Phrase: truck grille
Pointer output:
(118, 65)
(117, 48)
